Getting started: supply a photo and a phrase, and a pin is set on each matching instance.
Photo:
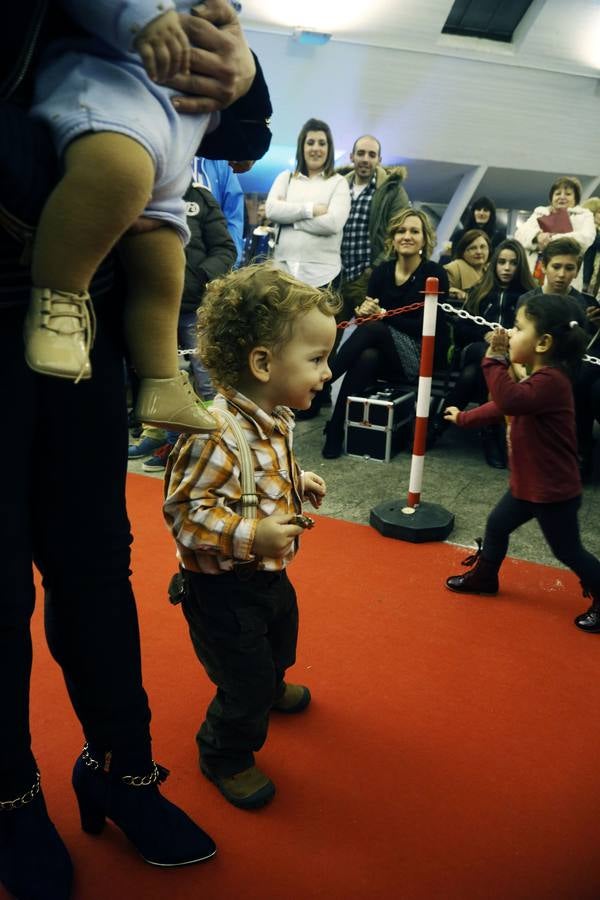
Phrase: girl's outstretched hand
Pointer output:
(451, 414)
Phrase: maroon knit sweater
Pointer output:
(541, 436)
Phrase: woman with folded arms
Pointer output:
(311, 206)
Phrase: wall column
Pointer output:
(460, 200)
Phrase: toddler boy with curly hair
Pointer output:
(265, 339)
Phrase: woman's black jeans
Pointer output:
(63, 507)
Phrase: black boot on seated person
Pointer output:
(34, 862)
(590, 620)
(436, 427)
(493, 439)
(481, 579)
(334, 442)
(161, 832)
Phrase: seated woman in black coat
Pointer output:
(494, 299)
(390, 348)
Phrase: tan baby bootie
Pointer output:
(59, 332)
(172, 403)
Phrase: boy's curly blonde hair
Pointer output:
(251, 307)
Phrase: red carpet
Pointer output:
(450, 752)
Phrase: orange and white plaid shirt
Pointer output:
(203, 488)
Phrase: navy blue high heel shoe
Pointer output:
(34, 862)
(161, 832)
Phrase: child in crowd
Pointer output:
(561, 262)
(126, 154)
(544, 481)
(265, 339)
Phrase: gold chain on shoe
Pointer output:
(156, 775)
(24, 799)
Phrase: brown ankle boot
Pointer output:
(481, 579)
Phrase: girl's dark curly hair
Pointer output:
(251, 307)
(559, 317)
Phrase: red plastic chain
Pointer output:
(377, 317)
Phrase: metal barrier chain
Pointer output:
(412, 307)
(479, 320)
(463, 314)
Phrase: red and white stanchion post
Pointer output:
(432, 289)
(416, 521)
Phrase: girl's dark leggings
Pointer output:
(560, 527)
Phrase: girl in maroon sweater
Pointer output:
(542, 445)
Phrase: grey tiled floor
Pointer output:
(455, 476)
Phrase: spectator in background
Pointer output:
(481, 215)
(377, 194)
(564, 196)
(262, 238)
(471, 256)
(390, 348)
(310, 206)
(591, 259)
(217, 176)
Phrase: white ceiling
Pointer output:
(554, 35)
(388, 68)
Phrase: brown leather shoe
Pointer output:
(249, 789)
(172, 403)
(294, 699)
(59, 332)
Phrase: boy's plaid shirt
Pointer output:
(203, 490)
(356, 246)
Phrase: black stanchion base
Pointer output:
(428, 522)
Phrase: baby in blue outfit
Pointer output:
(127, 157)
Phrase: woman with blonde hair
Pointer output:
(390, 347)
(310, 206)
